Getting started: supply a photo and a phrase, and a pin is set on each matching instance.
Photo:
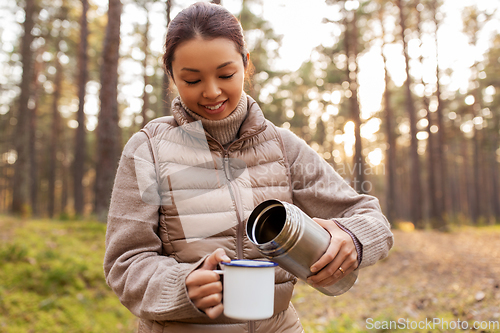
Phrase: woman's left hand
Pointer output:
(340, 259)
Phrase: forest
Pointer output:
(79, 77)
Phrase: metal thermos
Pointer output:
(286, 235)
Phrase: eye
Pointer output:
(227, 76)
(191, 82)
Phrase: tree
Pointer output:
(166, 79)
(108, 136)
(435, 215)
(145, 48)
(441, 144)
(20, 202)
(389, 129)
(491, 85)
(351, 51)
(415, 188)
(80, 137)
(55, 130)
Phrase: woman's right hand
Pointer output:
(204, 286)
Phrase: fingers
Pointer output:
(214, 311)
(200, 277)
(205, 298)
(214, 259)
(340, 253)
(204, 286)
(337, 241)
(203, 290)
(331, 274)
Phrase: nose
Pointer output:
(212, 90)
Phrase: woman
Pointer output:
(186, 185)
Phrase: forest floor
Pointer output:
(51, 280)
(428, 277)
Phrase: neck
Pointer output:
(225, 130)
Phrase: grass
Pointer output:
(51, 280)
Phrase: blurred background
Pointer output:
(401, 97)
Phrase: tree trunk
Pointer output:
(80, 137)
(476, 166)
(415, 188)
(55, 134)
(441, 144)
(32, 143)
(20, 201)
(145, 48)
(391, 138)
(433, 177)
(108, 136)
(494, 167)
(166, 79)
(352, 75)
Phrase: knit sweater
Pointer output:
(224, 130)
(153, 287)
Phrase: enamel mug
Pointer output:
(248, 289)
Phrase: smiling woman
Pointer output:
(209, 75)
(186, 184)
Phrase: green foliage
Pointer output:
(52, 279)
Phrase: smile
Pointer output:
(215, 107)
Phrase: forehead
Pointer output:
(205, 54)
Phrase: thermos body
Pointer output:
(286, 235)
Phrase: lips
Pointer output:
(215, 108)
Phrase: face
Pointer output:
(209, 75)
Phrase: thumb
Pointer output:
(214, 259)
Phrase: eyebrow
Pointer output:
(197, 70)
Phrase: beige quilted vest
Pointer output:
(208, 191)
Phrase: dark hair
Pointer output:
(205, 20)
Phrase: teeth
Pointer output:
(214, 107)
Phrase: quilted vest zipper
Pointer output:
(234, 191)
(251, 326)
(237, 202)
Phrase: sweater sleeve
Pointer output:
(320, 192)
(151, 285)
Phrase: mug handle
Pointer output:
(218, 271)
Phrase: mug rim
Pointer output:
(248, 263)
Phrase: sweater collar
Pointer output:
(244, 121)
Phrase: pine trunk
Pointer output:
(145, 96)
(391, 138)
(32, 143)
(55, 135)
(441, 144)
(166, 79)
(20, 200)
(352, 75)
(80, 137)
(108, 136)
(415, 188)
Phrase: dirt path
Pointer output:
(427, 275)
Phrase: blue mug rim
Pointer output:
(254, 263)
